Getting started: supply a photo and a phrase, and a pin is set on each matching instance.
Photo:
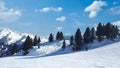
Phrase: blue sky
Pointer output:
(41, 17)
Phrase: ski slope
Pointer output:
(106, 56)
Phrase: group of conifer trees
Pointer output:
(107, 31)
(59, 37)
(102, 31)
(27, 45)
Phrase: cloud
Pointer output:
(61, 19)
(8, 14)
(114, 10)
(94, 8)
(116, 23)
(48, 9)
(59, 28)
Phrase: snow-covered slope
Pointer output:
(12, 36)
(102, 57)
(47, 48)
(50, 55)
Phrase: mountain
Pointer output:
(50, 54)
(13, 36)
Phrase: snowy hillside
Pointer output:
(49, 49)
(50, 55)
(12, 36)
(102, 57)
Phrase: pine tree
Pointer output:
(27, 45)
(92, 35)
(117, 30)
(103, 30)
(108, 30)
(51, 38)
(35, 41)
(38, 41)
(58, 36)
(64, 45)
(114, 32)
(78, 39)
(87, 35)
(99, 32)
(71, 40)
(14, 49)
(61, 36)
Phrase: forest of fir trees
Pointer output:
(77, 41)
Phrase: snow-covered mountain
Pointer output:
(13, 36)
(50, 55)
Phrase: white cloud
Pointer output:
(59, 9)
(8, 14)
(115, 10)
(116, 23)
(59, 28)
(48, 9)
(61, 19)
(94, 8)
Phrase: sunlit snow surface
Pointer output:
(103, 57)
(50, 55)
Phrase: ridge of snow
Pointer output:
(13, 36)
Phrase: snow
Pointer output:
(46, 48)
(50, 55)
(12, 36)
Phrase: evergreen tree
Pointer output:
(92, 35)
(61, 36)
(64, 45)
(99, 32)
(87, 35)
(58, 36)
(38, 41)
(71, 40)
(108, 30)
(14, 49)
(27, 45)
(51, 38)
(35, 41)
(116, 30)
(103, 30)
(78, 39)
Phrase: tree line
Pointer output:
(107, 31)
